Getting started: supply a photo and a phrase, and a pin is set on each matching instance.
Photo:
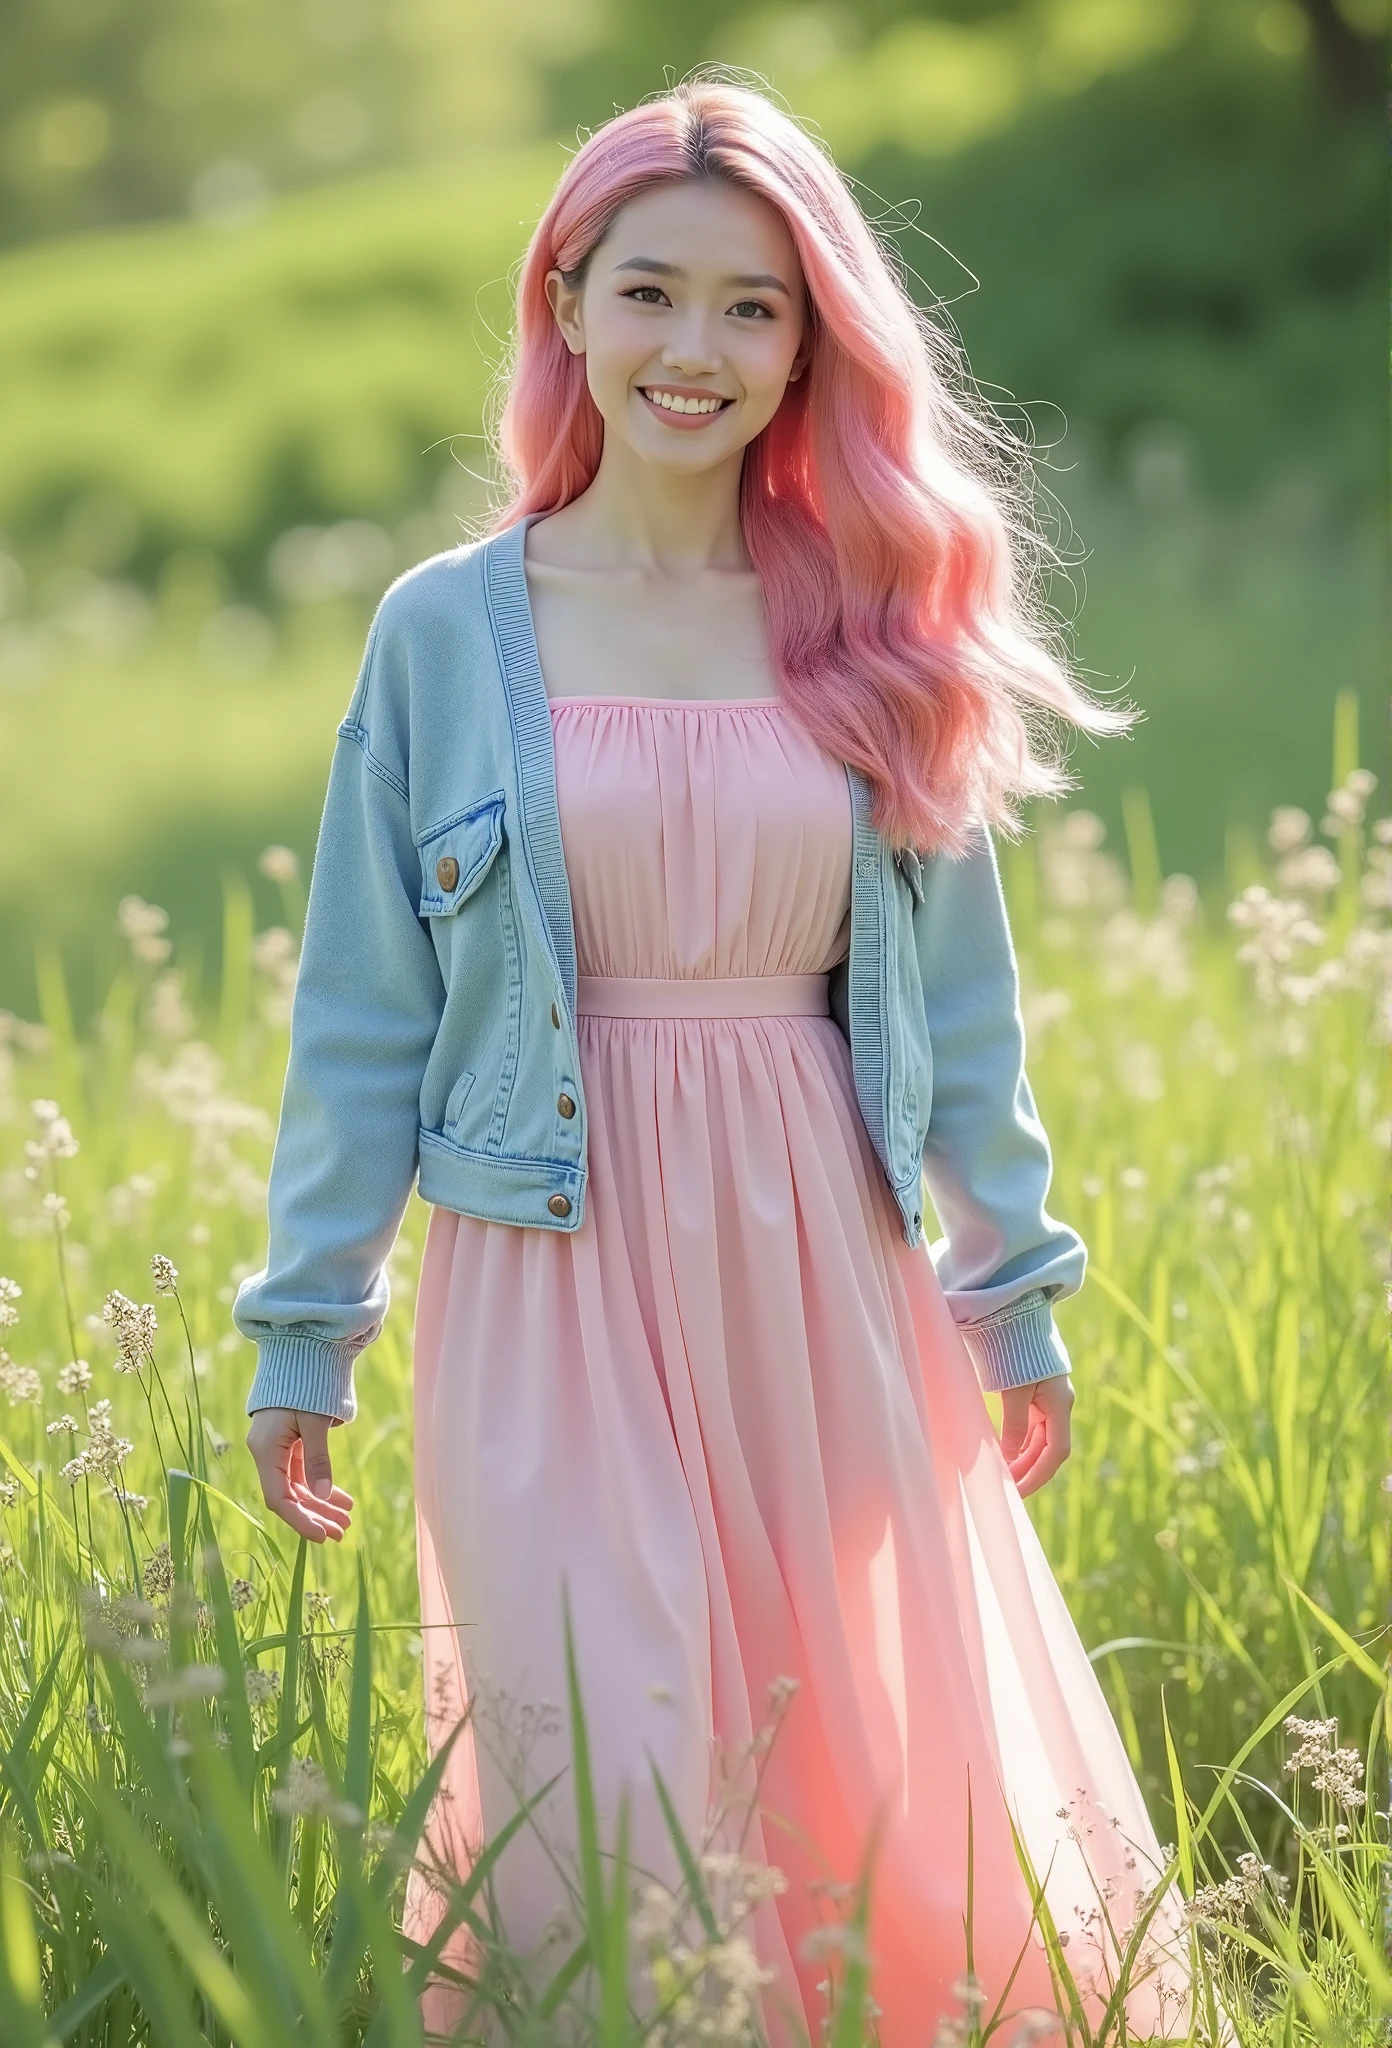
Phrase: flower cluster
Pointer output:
(1337, 1772)
(308, 1791)
(166, 1274)
(105, 1450)
(143, 926)
(55, 1139)
(20, 1382)
(135, 1331)
(1286, 928)
(712, 1985)
(1233, 1899)
(276, 960)
(189, 1090)
(158, 1575)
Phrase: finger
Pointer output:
(334, 1519)
(281, 1501)
(331, 1512)
(275, 1462)
(1024, 1469)
(1053, 1454)
(318, 1466)
(1030, 1447)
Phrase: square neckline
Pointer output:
(676, 703)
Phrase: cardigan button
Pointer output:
(447, 872)
(559, 1205)
(555, 1016)
(566, 1105)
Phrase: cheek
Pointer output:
(765, 357)
(616, 347)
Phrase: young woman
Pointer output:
(656, 925)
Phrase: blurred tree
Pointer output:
(1349, 37)
(118, 110)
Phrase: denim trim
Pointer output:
(1017, 1346)
(498, 1186)
(534, 746)
(311, 1373)
(869, 1025)
(358, 734)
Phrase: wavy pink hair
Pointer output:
(887, 522)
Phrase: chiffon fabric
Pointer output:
(733, 1415)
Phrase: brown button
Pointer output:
(447, 872)
(555, 1016)
(566, 1105)
(559, 1205)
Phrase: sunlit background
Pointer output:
(255, 284)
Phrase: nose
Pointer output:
(692, 348)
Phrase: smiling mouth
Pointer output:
(676, 405)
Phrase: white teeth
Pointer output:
(670, 402)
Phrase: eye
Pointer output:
(747, 306)
(638, 289)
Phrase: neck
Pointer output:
(636, 516)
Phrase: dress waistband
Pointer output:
(738, 995)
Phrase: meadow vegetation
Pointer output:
(199, 1716)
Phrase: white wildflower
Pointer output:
(20, 1382)
(135, 1329)
(167, 1012)
(1289, 829)
(308, 1791)
(279, 864)
(189, 1682)
(142, 925)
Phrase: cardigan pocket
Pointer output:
(456, 854)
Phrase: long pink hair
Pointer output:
(886, 518)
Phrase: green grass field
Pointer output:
(1216, 1093)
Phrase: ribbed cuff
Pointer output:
(313, 1373)
(1017, 1346)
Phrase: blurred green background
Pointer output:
(255, 282)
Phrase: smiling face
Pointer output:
(692, 319)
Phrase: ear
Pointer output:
(801, 359)
(565, 304)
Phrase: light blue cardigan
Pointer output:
(433, 1032)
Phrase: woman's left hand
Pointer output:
(1035, 1430)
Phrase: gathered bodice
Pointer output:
(701, 839)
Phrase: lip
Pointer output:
(686, 420)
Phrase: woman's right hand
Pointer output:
(291, 1449)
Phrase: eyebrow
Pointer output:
(763, 279)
